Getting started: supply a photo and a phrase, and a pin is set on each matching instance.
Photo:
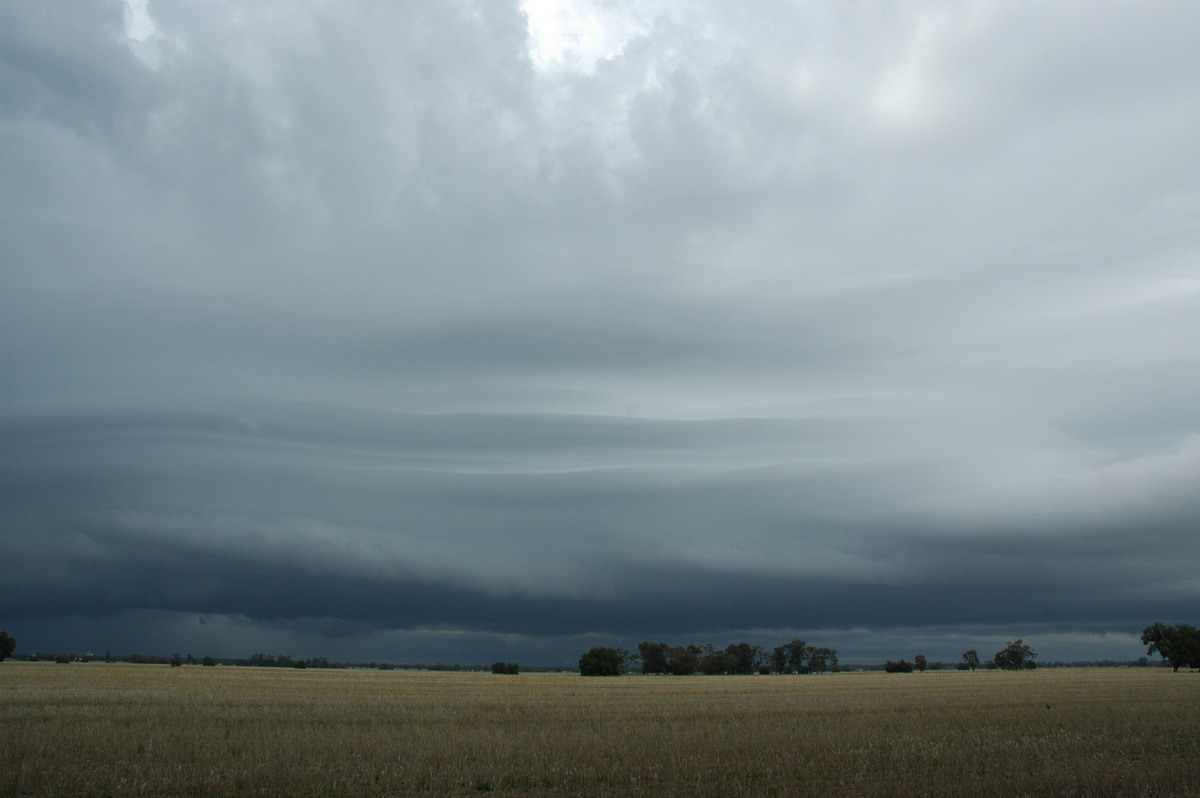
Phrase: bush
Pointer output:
(903, 666)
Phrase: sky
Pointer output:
(489, 330)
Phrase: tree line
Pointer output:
(1177, 644)
(736, 659)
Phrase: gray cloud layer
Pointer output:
(429, 330)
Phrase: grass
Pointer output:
(97, 729)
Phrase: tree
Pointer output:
(822, 659)
(602, 661)
(920, 663)
(682, 661)
(791, 657)
(713, 661)
(742, 658)
(7, 644)
(509, 668)
(779, 659)
(903, 666)
(653, 656)
(971, 659)
(1015, 657)
(1178, 644)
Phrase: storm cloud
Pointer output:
(491, 330)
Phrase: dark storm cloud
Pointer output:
(426, 522)
(444, 327)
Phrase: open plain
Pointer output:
(118, 729)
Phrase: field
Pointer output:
(114, 729)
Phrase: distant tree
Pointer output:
(920, 663)
(821, 660)
(741, 658)
(602, 661)
(779, 659)
(713, 661)
(653, 657)
(799, 654)
(1178, 644)
(510, 668)
(176, 660)
(791, 657)
(1015, 657)
(682, 660)
(7, 644)
(208, 661)
(902, 666)
(147, 659)
(971, 659)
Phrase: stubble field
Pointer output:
(97, 729)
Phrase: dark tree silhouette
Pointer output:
(1178, 644)
(654, 657)
(1015, 657)
(602, 661)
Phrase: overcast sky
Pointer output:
(479, 329)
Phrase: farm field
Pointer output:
(118, 729)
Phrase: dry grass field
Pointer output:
(97, 729)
